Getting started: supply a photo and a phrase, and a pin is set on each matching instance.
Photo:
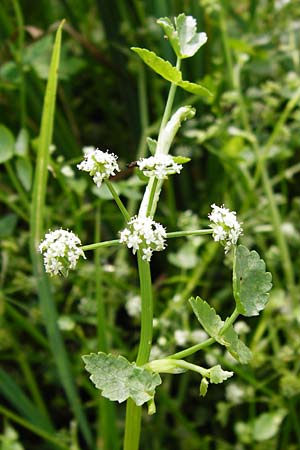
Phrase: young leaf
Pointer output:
(118, 379)
(203, 387)
(218, 375)
(169, 72)
(183, 37)
(213, 324)
(152, 143)
(207, 316)
(251, 282)
(181, 159)
(268, 424)
(235, 346)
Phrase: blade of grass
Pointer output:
(17, 398)
(47, 303)
(29, 426)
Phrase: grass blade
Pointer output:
(47, 303)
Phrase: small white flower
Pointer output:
(181, 337)
(100, 165)
(198, 336)
(159, 166)
(144, 234)
(226, 228)
(133, 305)
(61, 251)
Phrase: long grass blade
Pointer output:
(47, 303)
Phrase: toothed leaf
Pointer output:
(251, 282)
(183, 36)
(118, 379)
(218, 375)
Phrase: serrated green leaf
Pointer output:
(7, 143)
(207, 316)
(251, 282)
(183, 37)
(235, 346)
(218, 375)
(118, 379)
(168, 72)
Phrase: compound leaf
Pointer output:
(251, 282)
(118, 379)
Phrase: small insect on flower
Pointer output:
(61, 251)
(159, 166)
(100, 165)
(226, 228)
(144, 234)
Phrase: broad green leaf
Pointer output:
(183, 37)
(251, 282)
(22, 141)
(24, 172)
(207, 316)
(118, 379)
(267, 425)
(7, 143)
(168, 72)
(218, 375)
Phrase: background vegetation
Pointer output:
(244, 145)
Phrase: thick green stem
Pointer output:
(133, 412)
(170, 101)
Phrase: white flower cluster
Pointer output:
(159, 166)
(144, 234)
(100, 165)
(61, 251)
(226, 228)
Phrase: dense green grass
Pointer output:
(244, 146)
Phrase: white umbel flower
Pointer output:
(61, 251)
(226, 228)
(159, 166)
(143, 233)
(100, 165)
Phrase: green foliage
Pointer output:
(7, 143)
(183, 37)
(169, 72)
(251, 282)
(118, 379)
(219, 330)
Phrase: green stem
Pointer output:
(133, 412)
(118, 200)
(170, 100)
(100, 245)
(195, 348)
(176, 234)
(151, 197)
